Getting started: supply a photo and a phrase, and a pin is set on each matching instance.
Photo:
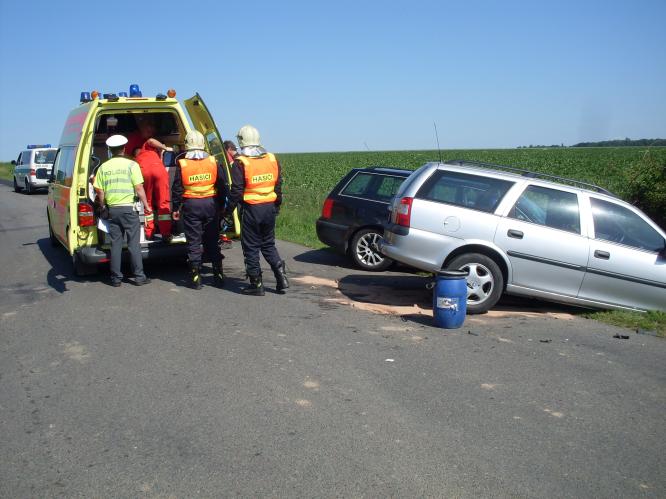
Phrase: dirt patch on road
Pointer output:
(407, 295)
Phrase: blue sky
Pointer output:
(345, 76)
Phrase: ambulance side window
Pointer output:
(64, 166)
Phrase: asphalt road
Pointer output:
(163, 391)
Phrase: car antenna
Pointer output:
(366, 145)
(439, 151)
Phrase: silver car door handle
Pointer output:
(604, 255)
(516, 234)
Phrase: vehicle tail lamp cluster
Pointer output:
(404, 212)
(327, 210)
(86, 215)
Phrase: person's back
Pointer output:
(256, 183)
(114, 176)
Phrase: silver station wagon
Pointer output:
(529, 234)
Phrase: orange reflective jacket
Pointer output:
(199, 177)
(261, 175)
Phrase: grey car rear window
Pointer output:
(462, 189)
(373, 186)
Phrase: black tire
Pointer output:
(364, 252)
(28, 187)
(52, 238)
(16, 186)
(485, 282)
(80, 268)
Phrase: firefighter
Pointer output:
(198, 196)
(156, 181)
(256, 182)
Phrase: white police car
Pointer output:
(32, 168)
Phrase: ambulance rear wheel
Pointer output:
(82, 269)
(52, 239)
(28, 187)
(16, 186)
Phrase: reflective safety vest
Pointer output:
(199, 177)
(261, 175)
(117, 178)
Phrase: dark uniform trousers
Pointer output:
(125, 220)
(201, 225)
(258, 235)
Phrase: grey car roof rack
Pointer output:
(531, 174)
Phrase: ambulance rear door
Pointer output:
(203, 121)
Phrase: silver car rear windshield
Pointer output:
(461, 189)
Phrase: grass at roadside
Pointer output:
(6, 171)
(650, 321)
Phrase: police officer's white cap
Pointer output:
(116, 141)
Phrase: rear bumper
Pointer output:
(416, 248)
(332, 234)
(38, 183)
(92, 255)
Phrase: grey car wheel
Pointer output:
(364, 251)
(16, 186)
(485, 282)
(28, 187)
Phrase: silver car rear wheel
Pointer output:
(485, 282)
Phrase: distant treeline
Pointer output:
(623, 143)
(606, 143)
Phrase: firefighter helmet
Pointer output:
(195, 140)
(248, 136)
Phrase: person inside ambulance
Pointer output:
(256, 185)
(198, 194)
(148, 153)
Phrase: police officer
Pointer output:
(198, 195)
(256, 181)
(116, 183)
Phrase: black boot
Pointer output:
(195, 276)
(218, 276)
(255, 288)
(281, 280)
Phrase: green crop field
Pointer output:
(6, 170)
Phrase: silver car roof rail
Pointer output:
(531, 174)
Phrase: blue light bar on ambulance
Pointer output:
(38, 146)
(85, 97)
(134, 90)
(122, 94)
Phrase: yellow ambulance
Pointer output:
(71, 218)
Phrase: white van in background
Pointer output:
(32, 168)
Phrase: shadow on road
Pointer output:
(62, 270)
(407, 296)
(325, 256)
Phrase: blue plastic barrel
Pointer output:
(449, 299)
